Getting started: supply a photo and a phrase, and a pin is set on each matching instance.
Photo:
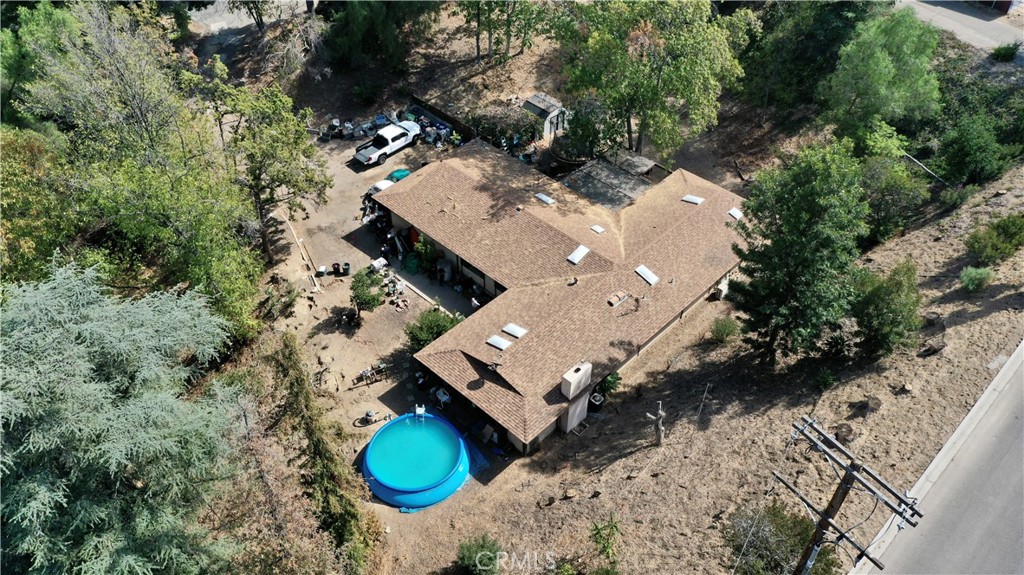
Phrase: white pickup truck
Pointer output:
(388, 140)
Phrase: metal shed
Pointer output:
(549, 110)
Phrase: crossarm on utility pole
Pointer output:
(825, 520)
(854, 474)
(870, 473)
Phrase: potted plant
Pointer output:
(603, 389)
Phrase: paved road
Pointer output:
(974, 512)
(976, 26)
(218, 18)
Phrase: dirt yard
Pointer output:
(729, 423)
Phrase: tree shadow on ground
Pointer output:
(993, 299)
(342, 320)
(279, 239)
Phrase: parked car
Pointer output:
(388, 140)
(399, 175)
(378, 187)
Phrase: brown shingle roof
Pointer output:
(468, 205)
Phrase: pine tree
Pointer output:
(105, 461)
(800, 227)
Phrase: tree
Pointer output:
(647, 59)
(884, 72)
(106, 464)
(327, 478)
(429, 326)
(376, 29)
(886, 309)
(519, 21)
(769, 541)
(590, 131)
(280, 162)
(151, 186)
(258, 10)
(38, 216)
(893, 195)
(799, 47)
(106, 79)
(39, 31)
(482, 15)
(971, 152)
(366, 293)
(800, 231)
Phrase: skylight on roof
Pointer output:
(691, 199)
(544, 198)
(647, 274)
(499, 342)
(515, 330)
(597, 229)
(578, 254)
(736, 213)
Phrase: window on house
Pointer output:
(468, 267)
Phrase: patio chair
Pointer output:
(485, 434)
(443, 398)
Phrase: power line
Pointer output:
(854, 473)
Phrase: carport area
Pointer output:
(333, 232)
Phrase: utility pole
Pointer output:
(854, 472)
(659, 425)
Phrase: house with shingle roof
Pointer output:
(579, 289)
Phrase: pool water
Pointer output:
(416, 461)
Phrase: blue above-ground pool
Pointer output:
(416, 461)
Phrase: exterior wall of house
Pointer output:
(519, 445)
(543, 435)
(527, 448)
(672, 323)
(399, 223)
(576, 412)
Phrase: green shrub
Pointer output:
(825, 379)
(976, 279)
(886, 309)
(1011, 229)
(954, 197)
(770, 540)
(724, 329)
(367, 92)
(365, 291)
(427, 250)
(479, 555)
(604, 536)
(1006, 52)
(431, 325)
(609, 384)
(971, 151)
(565, 567)
(893, 194)
(987, 247)
(997, 241)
